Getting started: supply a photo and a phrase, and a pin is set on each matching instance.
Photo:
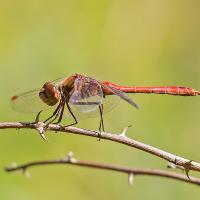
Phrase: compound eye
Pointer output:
(50, 94)
(49, 89)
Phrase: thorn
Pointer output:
(71, 160)
(70, 154)
(187, 173)
(41, 132)
(187, 167)
(42, 135)
(68, 157)
(189, 162)
(131, 177)
(26, 173)
(41, 128)
(124, 131)
(14, 165)
(37, 117)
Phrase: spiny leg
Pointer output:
(54, 113)
(60, 115)
(59, 112)
(101, 120)
(73, 115)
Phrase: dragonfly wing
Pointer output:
(28, 102)
(109, 102)
(58, 81)
(126, 97)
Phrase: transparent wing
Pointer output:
(126, 97)
(58, 81)
(28, 102)
(109, 102)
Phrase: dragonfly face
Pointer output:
(50, 94)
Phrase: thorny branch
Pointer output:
(41, 127)
(132, 172)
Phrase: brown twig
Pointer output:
(132, 172)
(41, 127)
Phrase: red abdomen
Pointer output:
(172, 90)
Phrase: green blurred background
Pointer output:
(126, 42)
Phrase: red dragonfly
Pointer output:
(84, 97)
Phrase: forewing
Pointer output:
(58, 81)
(28, 102)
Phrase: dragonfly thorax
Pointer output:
(87, 95)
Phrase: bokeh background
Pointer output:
(126, 42)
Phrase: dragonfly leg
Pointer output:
(59, 113)
(73, 115)
(54, 113)
(101, 121)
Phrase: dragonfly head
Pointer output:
(50, 94)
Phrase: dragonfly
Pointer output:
(84, 97)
